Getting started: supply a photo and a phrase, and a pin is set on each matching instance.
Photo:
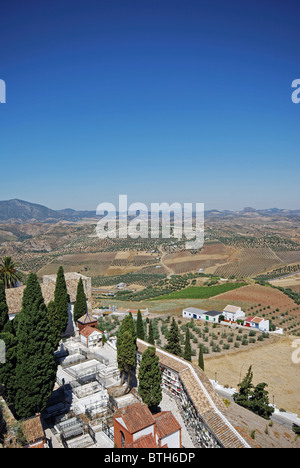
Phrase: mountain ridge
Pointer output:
(23, 211)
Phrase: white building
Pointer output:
(212, 316)
(91, 337)
(193, 312)
(257, 323)
(233, 313)
(200, 314)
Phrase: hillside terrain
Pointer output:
(240, 245)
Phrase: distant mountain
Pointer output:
(73, 214)
(22, 211)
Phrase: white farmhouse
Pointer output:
(193, 312)
(233, 313)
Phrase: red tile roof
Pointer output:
(87, 331)
(254, 319)
(166, 424)
(144, 442)
(136, 417)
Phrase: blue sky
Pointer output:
(185, 101)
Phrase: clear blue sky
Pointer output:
(180, 100)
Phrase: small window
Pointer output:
(122, 439)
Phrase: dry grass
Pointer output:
(271, 363)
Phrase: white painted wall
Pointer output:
(143, 432)
(172, 440)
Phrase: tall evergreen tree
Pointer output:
(3, 307)
(80, 307)
(126, 346)
(201, 358)
(140, 326)
(35, 368)
(242, 397)
(173, 345)
(255, 399)
(61, 300)
(259, 401)
(151, 339)
(54, 323)
(150, 378)
(126, 356)
(8, 368)
(187, 346)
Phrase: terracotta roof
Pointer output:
(166, 424)
(203, 396)
(257, 320)
(135, 417)
(144, 442)
(254, 319)
(33, 430)
(87, 331)
(164, 358)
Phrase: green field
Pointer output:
(201, 292)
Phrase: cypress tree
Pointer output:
(3, 307)
(150, 378)
(201, 359)
(242, 398)
(54, 324)
(151, 339)
(140, 326)
(80, 307)
(35, 368)
(61, 300)
(8, 368)
(173, 345)
(126, 345)
(259, 401)
(187, 347)
(126, 355)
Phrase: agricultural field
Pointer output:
(292, 282)
(214, 338)
(250, 262)
(203, 292)
(238, 245)
(267, 302)
(100, 264)
(213, 253)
